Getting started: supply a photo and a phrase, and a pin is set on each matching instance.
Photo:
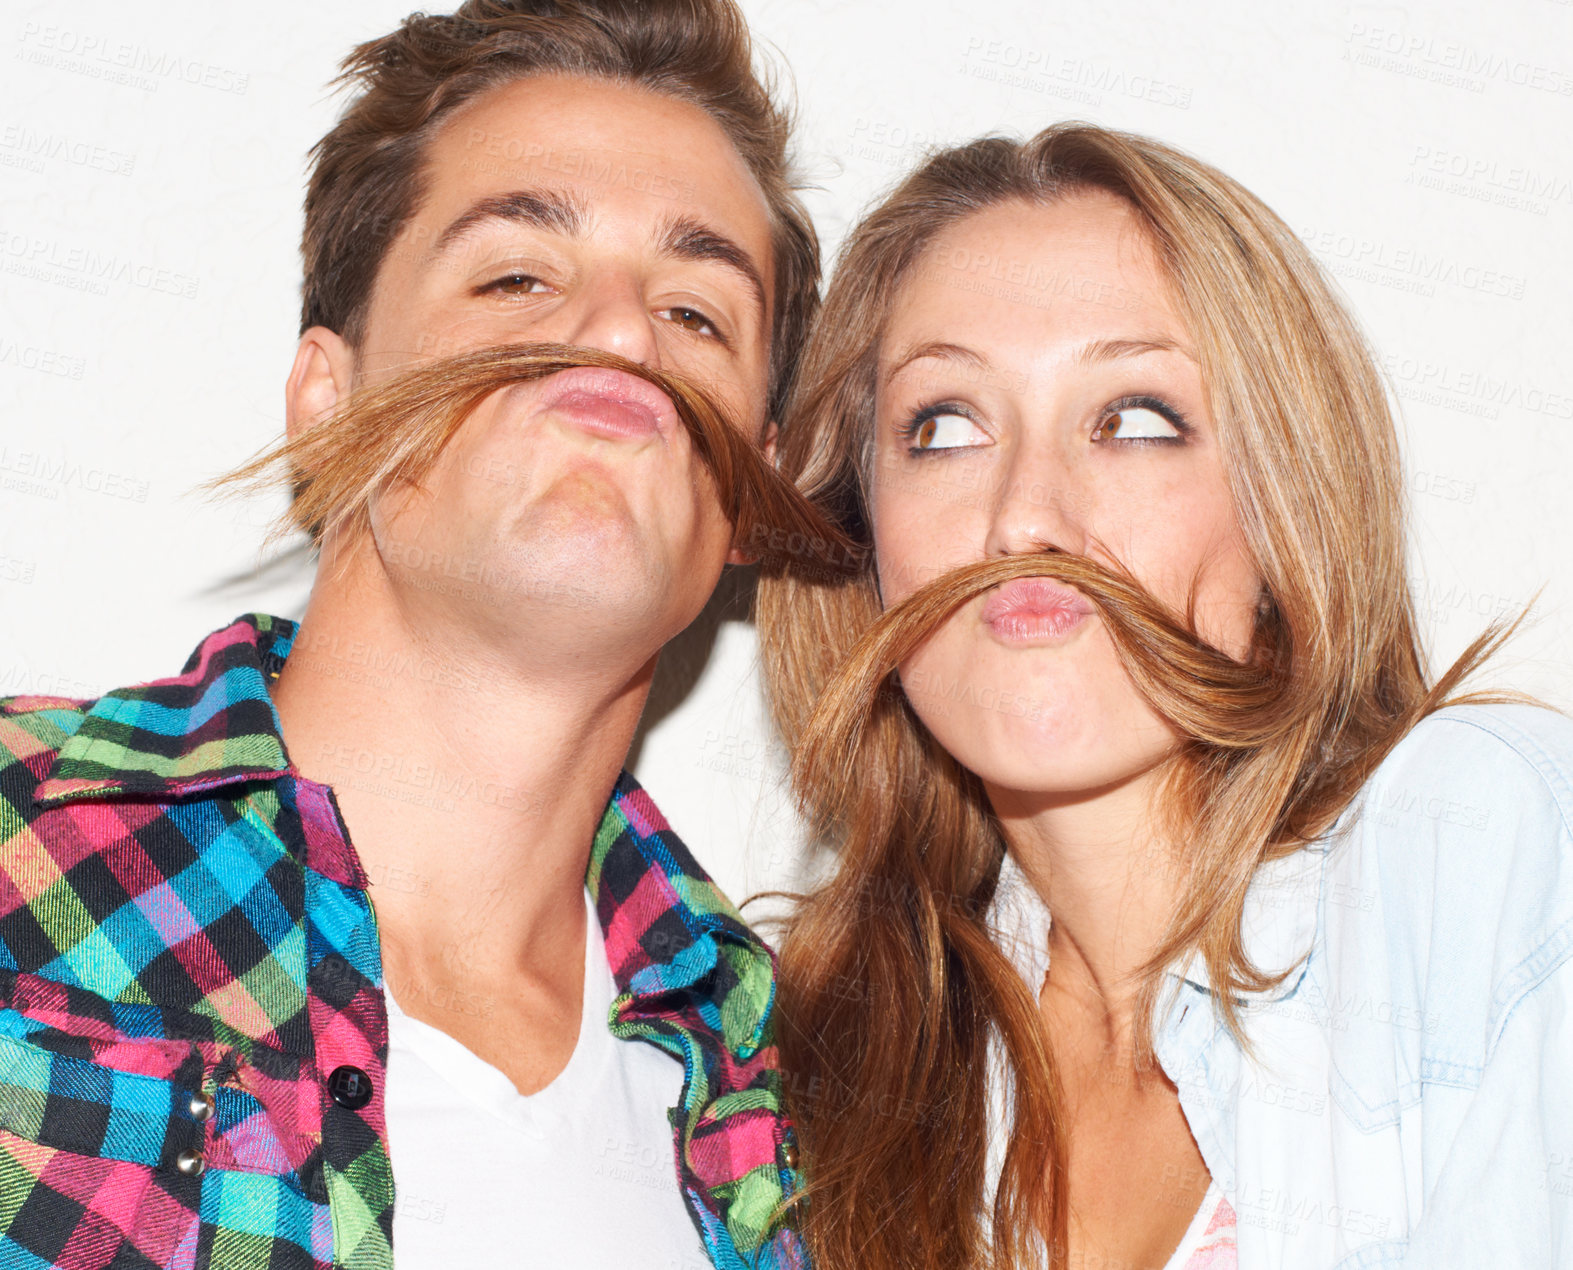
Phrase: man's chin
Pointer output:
(575, 572)
(580, 515)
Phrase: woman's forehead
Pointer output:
(1081, 268)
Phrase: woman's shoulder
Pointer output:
(1518, 739)
(1482, 769)
(1453, 877)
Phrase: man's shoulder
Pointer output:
(697, 982)
(636, 846)
(55, 710)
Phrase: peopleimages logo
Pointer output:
(1489, 180)
(100, 56)
(1407, 267)
(31, 148)
(1057, 74)
(28, 468)
(1449, 62)
(1472, 390)
(46, 361)
(84, 268)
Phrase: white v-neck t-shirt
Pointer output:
(579, 1175)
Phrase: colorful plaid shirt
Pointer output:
(189, 963)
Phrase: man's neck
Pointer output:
(472, 787)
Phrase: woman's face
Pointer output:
(1037, 389)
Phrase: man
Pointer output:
(211, 1046)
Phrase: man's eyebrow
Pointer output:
(941, 350)
(1112, 350)
(543, 209)
(687, 238)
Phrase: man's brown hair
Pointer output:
(367, 175)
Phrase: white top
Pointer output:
(1407, 1098)
(580, 1175)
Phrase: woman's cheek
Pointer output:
(989, 708)
(929, 679)
(918, 537)
(900, 573)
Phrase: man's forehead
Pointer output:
(477, 155)
(597, 135)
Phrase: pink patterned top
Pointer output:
(1209, 1243)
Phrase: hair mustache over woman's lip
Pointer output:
(1184, 678)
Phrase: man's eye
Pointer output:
(1137, 423)
(942, 430)
(516, 284)
(691, 320)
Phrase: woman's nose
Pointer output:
(1039, 504)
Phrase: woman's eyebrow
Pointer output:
(1111, 350)
(1101, 350)
(940, 349)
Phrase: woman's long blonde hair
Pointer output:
(891, 985)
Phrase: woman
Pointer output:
(1171, 908)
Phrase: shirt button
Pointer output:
(201, 1107)
(190, 1163)
(350, 1087)
(787, 1154)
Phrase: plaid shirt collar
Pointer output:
(693, 979)
(214, 725)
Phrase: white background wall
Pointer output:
(151, 166)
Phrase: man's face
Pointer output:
(571, 514)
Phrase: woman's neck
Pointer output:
(1109, 878)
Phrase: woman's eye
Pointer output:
(1136, 423)
(946, 431)
(516, 284)
(691, 320)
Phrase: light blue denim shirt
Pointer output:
(1408, 1095)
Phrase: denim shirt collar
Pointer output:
(1277, 926)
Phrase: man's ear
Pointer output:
(742, 555)
(322, 376)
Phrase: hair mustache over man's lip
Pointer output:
(392, 432)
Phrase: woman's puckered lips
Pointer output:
(1033, 609)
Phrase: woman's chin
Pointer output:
(1057, 757)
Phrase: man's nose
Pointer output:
(610, 314)
(1039, 504)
